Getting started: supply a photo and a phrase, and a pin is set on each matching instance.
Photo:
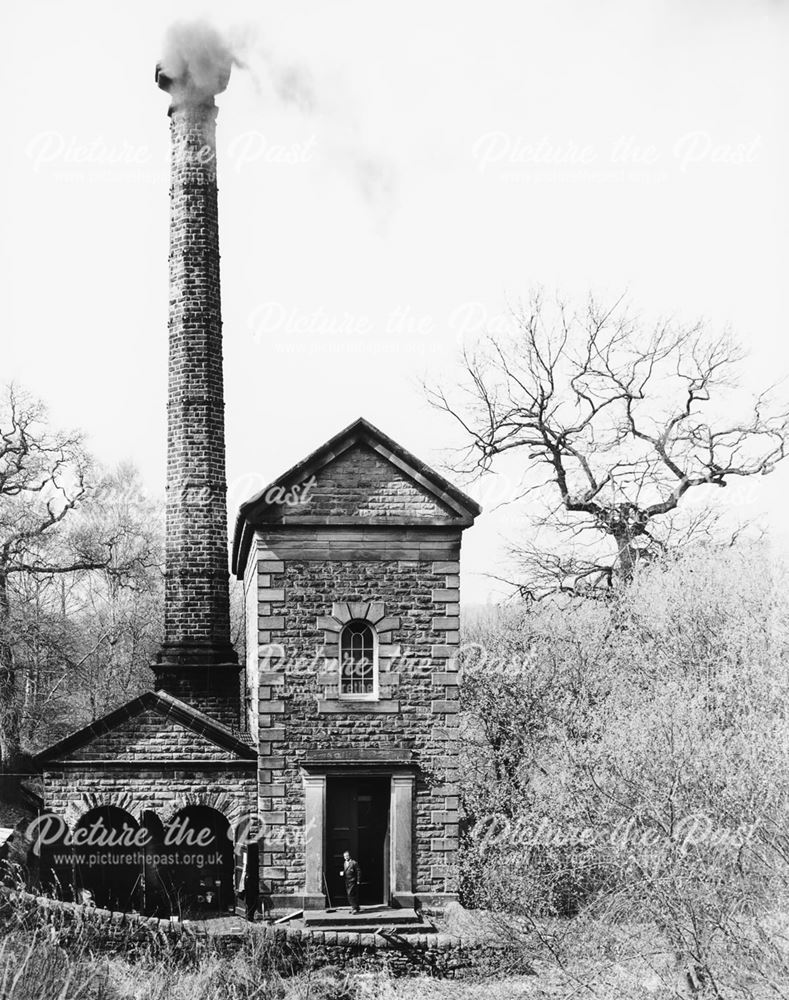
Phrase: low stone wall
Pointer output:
(440, 955)
(285, 948)
(91, 927)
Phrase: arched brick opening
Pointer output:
(89, 801)
(224, 804)
(107, 858)
(198, 877)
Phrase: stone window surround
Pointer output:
(386, 652)
(373, 695)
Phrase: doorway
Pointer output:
(357, 820)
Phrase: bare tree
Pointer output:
(615, 423)
(54, 523)
(115, 611)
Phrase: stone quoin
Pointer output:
(340, 735)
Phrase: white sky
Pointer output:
(345, 273)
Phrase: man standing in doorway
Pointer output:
(350, 872)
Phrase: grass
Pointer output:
(42, 959)
(35, 965)
(33, 968)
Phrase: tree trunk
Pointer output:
(627, 556)
(9, 702)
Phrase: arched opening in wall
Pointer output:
(108, 859)
(199, 873)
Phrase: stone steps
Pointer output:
(383, 929)
(370, 918)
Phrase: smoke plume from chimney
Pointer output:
(195, 63)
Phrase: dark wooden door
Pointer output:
(357, 820)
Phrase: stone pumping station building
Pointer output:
(338, 731)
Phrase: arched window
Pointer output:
(358, 666)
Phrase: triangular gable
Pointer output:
(360, 483)
(154, 727)
(359, 475)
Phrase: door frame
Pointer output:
(376, 865)
(398, 872)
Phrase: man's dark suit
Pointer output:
(350, 873)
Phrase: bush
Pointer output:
(630, 757)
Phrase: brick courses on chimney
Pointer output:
(197, 662)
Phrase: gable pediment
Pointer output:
(359, 477)
(360, 483)
(154, 727)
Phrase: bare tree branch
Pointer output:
(619, 421)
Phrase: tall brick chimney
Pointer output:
(197, 662)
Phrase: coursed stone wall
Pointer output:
(71, 791)
(299, 712)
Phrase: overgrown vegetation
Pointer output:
(44, 959)
(627, 763)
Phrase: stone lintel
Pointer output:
(342, 707)
(394, 759)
